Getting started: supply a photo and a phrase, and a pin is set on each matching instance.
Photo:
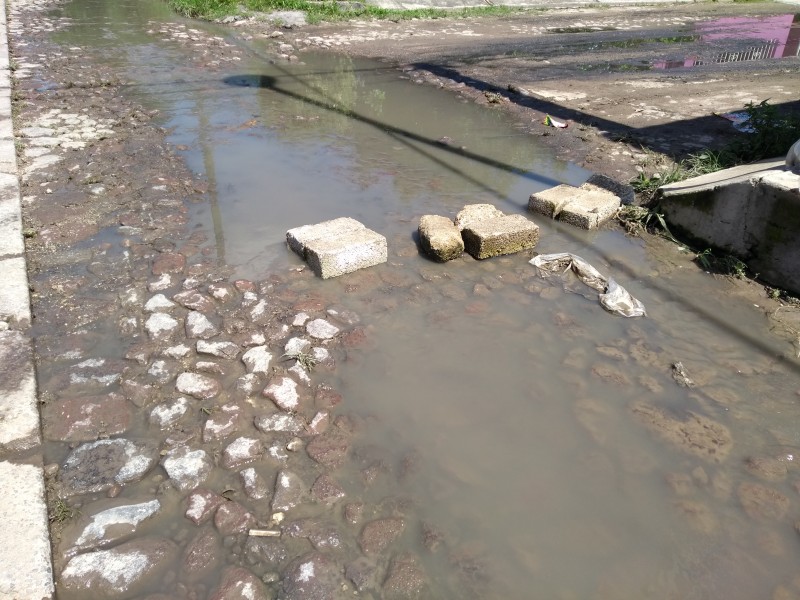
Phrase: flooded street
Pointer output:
(469, 430)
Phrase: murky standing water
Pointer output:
(551, 443)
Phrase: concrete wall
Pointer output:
(751, 212)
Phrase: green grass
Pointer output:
(326, 10)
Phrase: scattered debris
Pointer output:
(551, 122)
(680, 375)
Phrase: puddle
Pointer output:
(539, 442)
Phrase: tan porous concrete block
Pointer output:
(440, 238)
(501, 235)
(346, 252)
(473, 213)
(586, 207)
(590, 209)
(299, 237)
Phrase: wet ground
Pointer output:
(222, 424)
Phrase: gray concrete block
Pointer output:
(472, 213)
(19, 413)
(346, 252)
(299, 237)
(501, 235)
(626, 193)
(440, 238)
(26, 571)
(10, 217)
(586, 207)
(14, 299)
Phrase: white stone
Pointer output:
(168, 413)
(199, 326)
(219, 349)
(321, 329)
(179, 351)
(299, 371)
(286, 423)
(160, 325)
(242, 450)
(158, 303)
(187, 468)
(283, 393)
(128, 516)
(198, 386)
(257, 359)
(162, 283)
(296, 345)
(300, 319)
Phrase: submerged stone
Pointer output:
(121, 572)
(86, 418)
(111, 524)
(257, 359)
(187, 468)
(440, 238)
(405, 578)
(202, 555)
(377, 535)
(201, 505)
(312, 575)
(198, 386)
(99, 465)
(289, 491)
(283, 392)
(238, 583)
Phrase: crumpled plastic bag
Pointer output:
(613, 297)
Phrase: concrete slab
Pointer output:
(501, 235)
(440, 238)
(26, 571)
(299, 237)
(726, 177)
(473, 213)
(10, 217)
(14, 300)
(19, 413)
(345, 253)
(587, 207)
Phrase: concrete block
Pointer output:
(472, 213)
(299, 237)
(19, 413)
(346, 252)
(500, 235)
(26, 571)
(586, 207)
(440, 238)
(10, 217)
(626, 193)
(336, 247)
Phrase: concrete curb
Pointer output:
(26, 571)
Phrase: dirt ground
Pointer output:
(593, 68)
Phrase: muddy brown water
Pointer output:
(545, 437)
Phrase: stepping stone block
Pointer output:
(500, 235)
(336, 247)
(440, 238)
(587, 207)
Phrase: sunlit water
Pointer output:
(514, 393)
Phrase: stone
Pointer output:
(232, 518)
(321, 329)
(255, 485)
(198, 386)
(440, 238)
(337, 247)
(329, 450)
(202, 555)
(199, 326)
(283, 422)
(625, 192)
(158, 303)
(238, 583)
(86, 418)
(169, 262)
(201, 505)
(586, 207)
(227, 350)
(766, 468)
(326, 490)
(289, 491)
(97, 466)
(326, 397)
(248, 384)
(377, 535)
(311, 576)
(242, 451)
(499, 236)
(114, 523)
(696, 434)
(194, 300)
(187, 468)
(160, 325)
(319, 423)
(221, 291)
(121, 572)
(167, 414)
(362, 573)
(405, 578)
(283, 392)
(321, 534)
(761, 502)
(257, 359)
(223, 422)
(297, 345)
(474, 213)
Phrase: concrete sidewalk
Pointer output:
(25, 560)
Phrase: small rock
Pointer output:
(187, 468)
(166, 414)
(158, 303)
(321, 329)
(296, 345)
(312, 575)
(440, 238)
(241, 451)
(160, 325)
(97, 466)
(232, 518)
(194, 300)
(289, 491)
(286, 423)
(237, 583)
(112, 524)
(405, 578)
(202, 555)
(326, 490)
(198, 326)
(198, 386)
(169, 262)
(329, 450)
(283, 392)
(257, 359)
(255, 485)
(201, 505)
(223, 422)
(377, 535)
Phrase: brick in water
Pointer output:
(586, 207)
(500, 235)
(440, 238)
(337, 247)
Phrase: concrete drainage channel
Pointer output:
(24, 535)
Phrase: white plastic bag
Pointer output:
(613, 297)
